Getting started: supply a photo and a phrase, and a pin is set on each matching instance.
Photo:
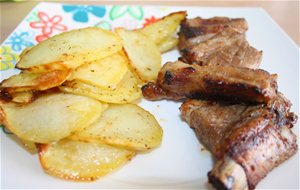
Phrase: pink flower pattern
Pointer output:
(48, 25)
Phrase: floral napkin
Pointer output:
(48, 19)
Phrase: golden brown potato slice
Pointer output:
(50, 117)
(81, 161)
(128, 126)
(22, 97)
(167, 44)
(29, 146)
(140, 82)
(35, 81)
(143, 53)
(164, 28)
(125, 92)
(46, 68)
(25, 51)
(72, 48)
(105, 73)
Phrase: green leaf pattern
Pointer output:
(33, 17)
(104, 25)
(136, 12)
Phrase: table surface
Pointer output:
(285, 13)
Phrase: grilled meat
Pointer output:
(228, 174)
(220, 117)
(239, 135)
(228, 45)
(216, 118)
(179, 80)
(248, 140)
(257, 156)
(197, 30)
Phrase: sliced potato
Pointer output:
(46, 68)
(168, 44)
(29, 146)
(25, 51)
(144, 55)
(126, 91)
(127, 125)
(164, 28)
(50, 117)
(140, 82)
(105, 73)
(22, 97)
(81, 161)
(72, 48)
(35, 81)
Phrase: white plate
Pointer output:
(179, 162)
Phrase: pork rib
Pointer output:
(248, 140)
(178, 80)
(239, 135)
(197, 30)
(220, 43)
